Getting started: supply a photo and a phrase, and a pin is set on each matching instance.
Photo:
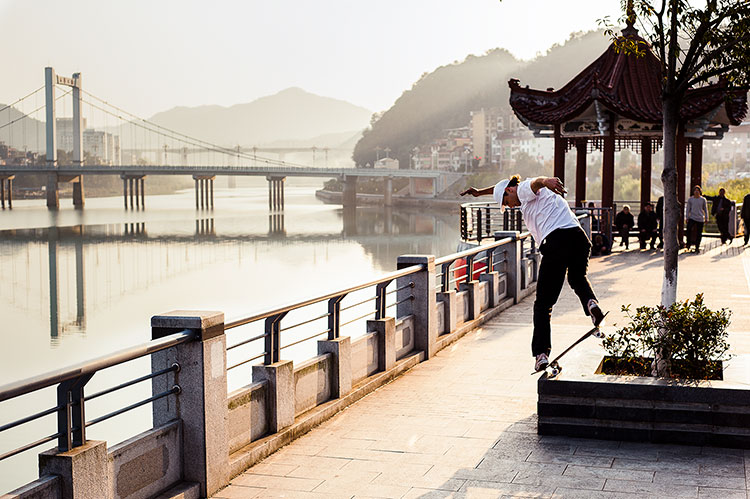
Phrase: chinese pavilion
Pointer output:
(615, 103)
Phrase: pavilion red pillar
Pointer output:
(645, 171)
(580, 172)
(681, 158)
(608, 170)
(559, 154)
(696, 163)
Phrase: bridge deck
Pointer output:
(464, 425)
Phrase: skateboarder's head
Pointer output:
(697, 191)
(505, 192)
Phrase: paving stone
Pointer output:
(565, 493)
(553, 482)
(651, 489)
(330, 487)
(276, 469)
(540, 456)
(676, 467)
(730, 469)
(511, 489)
(238, 492)
(276, 482)
(420, 493)
(641, 455)
(666, 477)
(609, 473)
(716, 493)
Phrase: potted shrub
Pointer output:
(617, 398)
(691, 338)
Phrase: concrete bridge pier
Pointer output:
(134, 187)
(6, 190)
(79, 199)
(350, 191)
(204, 191)
(388, 191)
(276, 224)
(275, 193)
(53, 196)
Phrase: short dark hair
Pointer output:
(514, 181)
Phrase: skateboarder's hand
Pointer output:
(555, 185)
(472, 191)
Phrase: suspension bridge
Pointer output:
(131, 147)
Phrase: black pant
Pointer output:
(746, 221)
(694, 233)
(644, 235)
(624, 235)
(564, 250)
(722, 220)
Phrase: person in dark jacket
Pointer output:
(745, 213)
(721, 208)
(623, 223)
(647, 226)
(599, 245)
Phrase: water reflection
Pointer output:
(114, 260)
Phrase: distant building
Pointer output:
(102, 145)
(388, 163)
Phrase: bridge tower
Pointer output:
(50, 80)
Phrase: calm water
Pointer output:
(77, 284)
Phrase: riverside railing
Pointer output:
(481, 220)
(202, 436)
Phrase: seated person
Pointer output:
(648, 226)
(623, 223)
(599, 245)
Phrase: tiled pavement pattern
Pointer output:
(463, 423)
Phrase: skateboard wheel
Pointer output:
(554, 371)
(599, 333)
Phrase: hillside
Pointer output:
(290, 115)
(445, 98)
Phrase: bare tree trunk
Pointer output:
(672, 212)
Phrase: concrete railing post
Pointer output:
(513, 264)
(450, 313)
(341, 348)
(386, 329)
(280, 400)
(422, 304)
(82, 470)
(202, 402)
(473, 293)
(493, 287)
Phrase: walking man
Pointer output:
(564, 246)
(720, 208)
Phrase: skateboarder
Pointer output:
(564, 245)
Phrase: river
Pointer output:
(76, 284)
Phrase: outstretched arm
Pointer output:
(552, 183)
(479, 192)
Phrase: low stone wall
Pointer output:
(312, 383)
(581, 403)
(247, 415)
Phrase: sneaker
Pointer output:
(597, 316)
(541, 362)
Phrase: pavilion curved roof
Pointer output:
(628, 85)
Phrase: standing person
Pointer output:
(697, 215)
(623, 223)
(660, 218)
(564, 245)
(647, 225)
(720, 209)
(746, 216)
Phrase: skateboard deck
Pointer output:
(553, 368)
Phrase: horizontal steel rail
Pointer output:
(478, 249)
(283, 310)
(29, 385)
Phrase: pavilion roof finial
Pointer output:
(630, 30)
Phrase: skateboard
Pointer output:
(554, 368)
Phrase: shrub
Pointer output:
(693, 338)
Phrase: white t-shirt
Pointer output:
(544, 211)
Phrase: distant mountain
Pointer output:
(290, 115)
(25, 133)
(445, 98)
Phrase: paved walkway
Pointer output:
(464, 424)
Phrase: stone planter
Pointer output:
(580, 403)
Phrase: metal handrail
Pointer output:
(478, 249)
(283, 310)
(29, 385)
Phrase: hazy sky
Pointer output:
(150, 55)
